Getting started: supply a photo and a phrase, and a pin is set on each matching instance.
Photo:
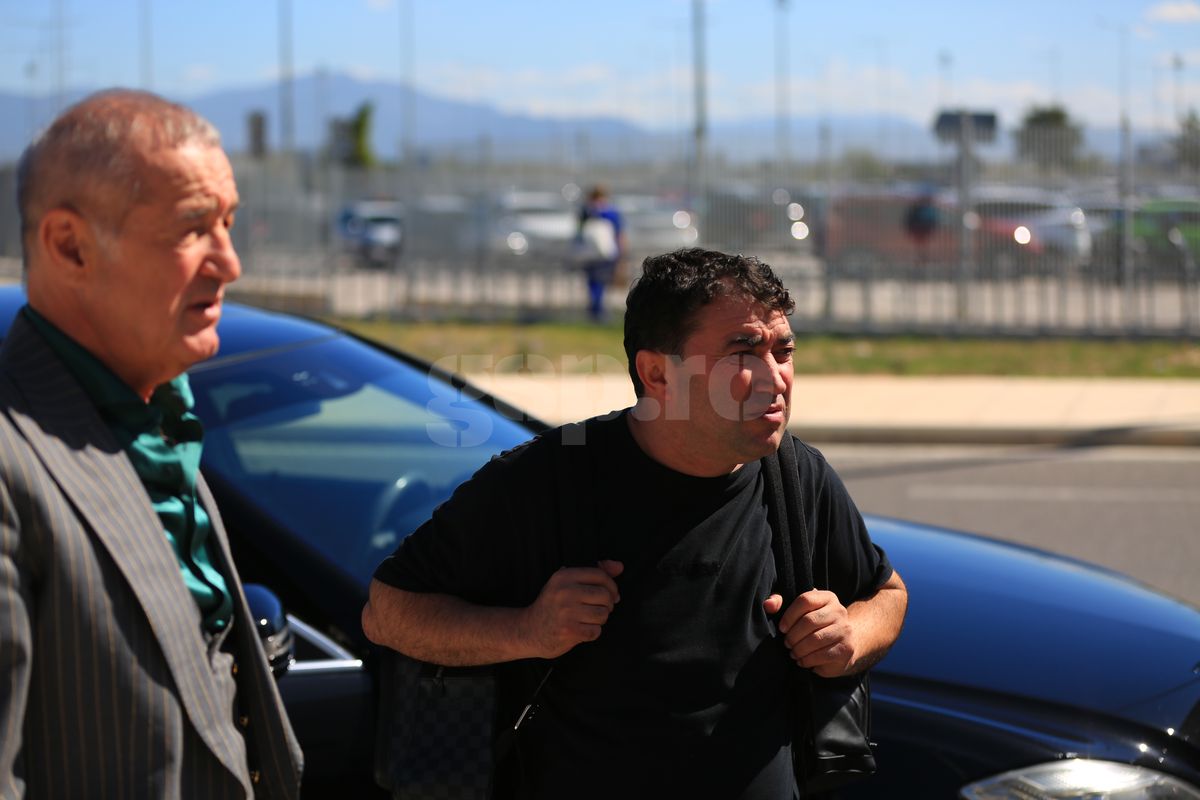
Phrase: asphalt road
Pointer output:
(1135, 510)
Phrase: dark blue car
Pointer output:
(1019, 674)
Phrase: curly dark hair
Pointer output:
(660, 312)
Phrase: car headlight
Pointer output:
(517, 243)
(1080, 778)
(1022, 235)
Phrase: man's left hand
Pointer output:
(818, 632)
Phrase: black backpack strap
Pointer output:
(790, 542)
(574, 473)
(790, 545)
(777, 518)
(793, 495)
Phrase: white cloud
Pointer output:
(362, 72)
(1183, 11)
(199, 73)
(664, 99)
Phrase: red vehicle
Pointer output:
(912, 234)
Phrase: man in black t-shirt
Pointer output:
(634, 550)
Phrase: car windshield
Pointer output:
(344, 446)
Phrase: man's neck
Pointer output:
(667, 443)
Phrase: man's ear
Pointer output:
(67, 240)
(652, 369)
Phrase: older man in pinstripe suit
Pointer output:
(129, 664)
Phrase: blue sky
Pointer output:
(632, 58)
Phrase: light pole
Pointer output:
(60, 40)
(946, 65)
(1177, 65)
(31, 74)
(700, 132)
(408, 67)
(1125, 170)
(147, 48)
(286, 114)
(782, 133)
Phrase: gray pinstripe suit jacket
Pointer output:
(107, 689)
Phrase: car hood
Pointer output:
(1004, 618)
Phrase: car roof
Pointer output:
(242, 329)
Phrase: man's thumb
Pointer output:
(612, 568)
(773, 604)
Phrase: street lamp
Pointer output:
(782, 134)
(1125, 174)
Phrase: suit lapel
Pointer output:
(83, 458)
(271, 726)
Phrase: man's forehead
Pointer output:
(734, 312)
(196, 179)
(735, 320)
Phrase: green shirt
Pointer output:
(163, 440)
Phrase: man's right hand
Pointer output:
(572, 608)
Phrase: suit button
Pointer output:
(244, 721)
(233, 669)
(255, 777)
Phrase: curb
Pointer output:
(1072, 437)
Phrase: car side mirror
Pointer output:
(272, 626)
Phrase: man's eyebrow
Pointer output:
(202, 208)
(754, 340)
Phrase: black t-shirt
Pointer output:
(684, 693)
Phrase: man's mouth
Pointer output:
(209, 307)
(773, 412)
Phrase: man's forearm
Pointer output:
(443, 629)
(878, 620)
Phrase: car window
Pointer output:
(1010, 208)
(343, 445)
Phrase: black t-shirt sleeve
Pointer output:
(845, 560)
(486, 543)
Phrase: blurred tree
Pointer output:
(1187, 145)
(1049, 137)
(864, 165)
(360, 153)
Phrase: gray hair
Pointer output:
(101, 144)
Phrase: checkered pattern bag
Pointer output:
(442, 732)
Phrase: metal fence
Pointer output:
(984, 244)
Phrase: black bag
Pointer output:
(442, 731)
(832, 745)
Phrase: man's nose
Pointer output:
(769, 377)
(222, 258)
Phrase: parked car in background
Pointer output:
(1019, 674)
(655, 224)
(1051, 230)
(744, 217)
(1009, 233)
(525, 229)
(1165, 243)
(373, 232)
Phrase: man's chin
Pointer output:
(201, 346)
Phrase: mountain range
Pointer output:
(443, 126)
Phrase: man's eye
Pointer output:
(785, 354)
